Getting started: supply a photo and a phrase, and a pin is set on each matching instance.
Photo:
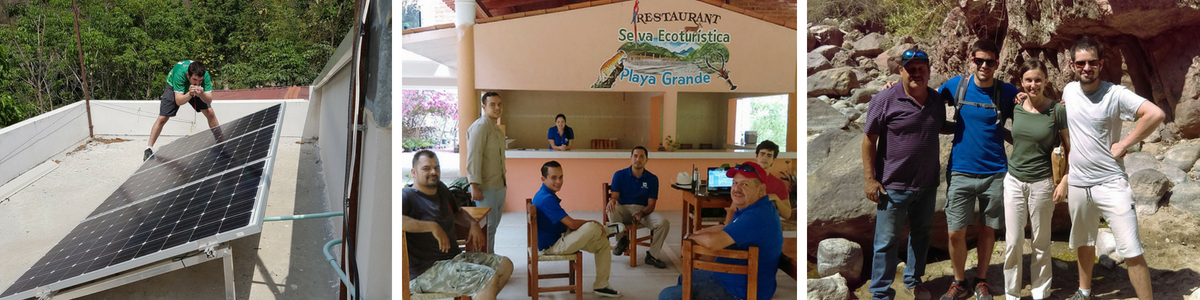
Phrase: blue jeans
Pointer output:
(704, 287)
(890, 215)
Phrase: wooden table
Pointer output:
(788, 262)
(692, 204)
(480, 215)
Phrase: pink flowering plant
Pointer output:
(428, 116)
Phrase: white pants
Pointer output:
(1035, 201)
(1114, 201)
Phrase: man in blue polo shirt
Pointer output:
(755, 223)
(559, 234)
(900, 168)
(977, 166)
(634, 195)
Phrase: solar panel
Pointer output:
(183, 200)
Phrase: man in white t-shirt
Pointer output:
(1098, 184)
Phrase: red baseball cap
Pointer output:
(749, 169)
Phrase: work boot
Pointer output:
(146, 155)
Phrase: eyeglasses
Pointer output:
(918, 54)
(1095, 63)
(986, 63)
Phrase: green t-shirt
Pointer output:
(179, 81)
(1034, 137)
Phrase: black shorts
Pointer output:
(168, 108)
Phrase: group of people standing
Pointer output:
(900, 151)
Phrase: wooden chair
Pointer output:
(404, 290)
(574, 274)
(691, 260)
(631, 229)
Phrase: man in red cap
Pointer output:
(755, 223)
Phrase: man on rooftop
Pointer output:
(187, 83)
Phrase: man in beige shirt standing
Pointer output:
(485, 163)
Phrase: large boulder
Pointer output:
(1143, 56)
(1186, 197)
(812, 40)
(827, 51)
(839, 256)
(838, 207)
(1149, 187)
(862, 75)
(851, 113)
(870, 45)
(1187, 113)
(843, 59)
(1106, 248)
(889, 60)
(817, 63)
(863, 95)
(822, 146)
(821, 117)
(1176, 175)
(827, 35)
(1183, 156)
(828, 288)
(1138, 161)
(837, 81)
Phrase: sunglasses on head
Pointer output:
(987, 63)
(747, 168)
(918, 54)
(1084, 63)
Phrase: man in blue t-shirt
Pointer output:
(978, 164)
(559, 234)
(755, 223)
(634, 196)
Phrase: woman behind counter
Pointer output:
(560, 135)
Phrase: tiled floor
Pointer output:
(641, 282)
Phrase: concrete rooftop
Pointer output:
(283, 262)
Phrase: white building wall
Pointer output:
(29, 143)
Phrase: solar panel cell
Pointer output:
(195, 188)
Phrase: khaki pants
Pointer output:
(659, 226)
(591, 238)
(1033, 201)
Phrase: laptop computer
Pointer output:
(718, 184)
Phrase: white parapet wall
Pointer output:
(29, 143)
(26, 144)
(136, 117)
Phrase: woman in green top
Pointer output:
(1039, 124)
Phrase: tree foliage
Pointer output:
(129, 46)
(770, 120)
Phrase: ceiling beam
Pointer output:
(497, 4)
(481, 10)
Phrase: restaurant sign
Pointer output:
(692, 55)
